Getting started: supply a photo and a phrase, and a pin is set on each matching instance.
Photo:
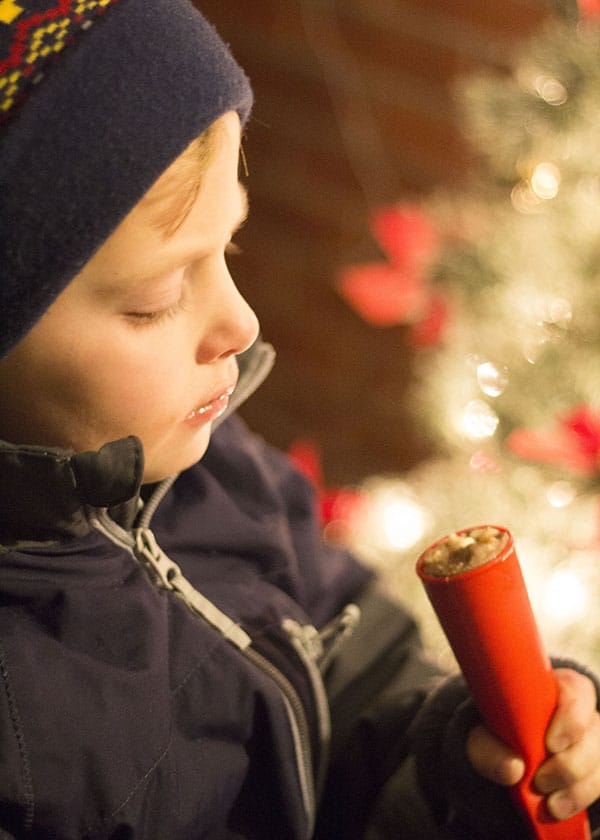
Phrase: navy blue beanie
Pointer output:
(97, 99)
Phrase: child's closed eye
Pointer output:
(155, 317)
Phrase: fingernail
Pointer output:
(514, 770)
(561, 806)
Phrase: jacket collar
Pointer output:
(49, 494)
(46, 494)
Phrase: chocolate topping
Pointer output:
(461, 552)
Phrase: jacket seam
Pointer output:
(175, 690)
(15, 720)
(208, 656)
(131, 793)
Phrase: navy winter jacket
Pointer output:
(174, 670)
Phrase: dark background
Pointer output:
(353, 108)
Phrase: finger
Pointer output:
(492, 758)
(575, 710)
(564, 803)
(577, 764)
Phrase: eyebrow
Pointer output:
(129, 282)
(170, 223)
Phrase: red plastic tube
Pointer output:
(487, 617)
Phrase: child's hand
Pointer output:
(571, 776)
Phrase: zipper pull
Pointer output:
(306, 637)
(322, 646)
(337, 632)
(150, 554)
(168, 575)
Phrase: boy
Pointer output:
(188, 680)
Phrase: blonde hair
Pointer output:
(177, 188)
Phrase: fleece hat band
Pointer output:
(97, 98)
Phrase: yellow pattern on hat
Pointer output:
(85, 5)
(48, 39)
(9, 11)
(9, 87)
(30, 39)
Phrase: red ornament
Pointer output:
(572, 442)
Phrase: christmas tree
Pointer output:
(499, 286)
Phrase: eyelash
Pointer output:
(141, 319)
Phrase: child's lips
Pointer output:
(211, 410)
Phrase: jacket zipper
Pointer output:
(300, 733)
(166, 574)
(316, 649)
(307, 644)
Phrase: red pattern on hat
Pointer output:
(26, 51)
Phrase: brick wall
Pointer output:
(353, 108)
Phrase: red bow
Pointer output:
(397, 291)
(338, 507)
(572, 442)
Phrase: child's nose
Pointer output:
(233, 328)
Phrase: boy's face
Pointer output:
(143, 340)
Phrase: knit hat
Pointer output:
(97, 99)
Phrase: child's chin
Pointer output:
(157, 469)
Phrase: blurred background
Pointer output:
(423, 251)
(354, 109)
